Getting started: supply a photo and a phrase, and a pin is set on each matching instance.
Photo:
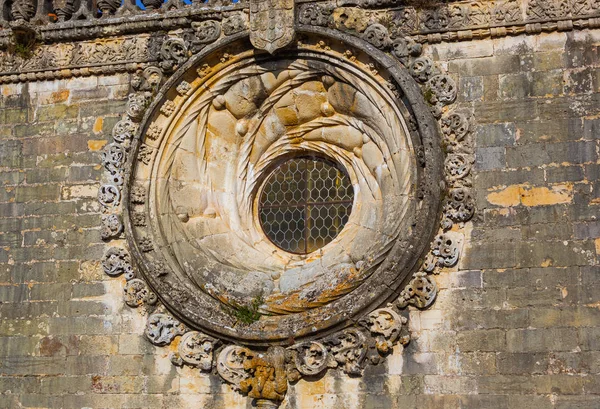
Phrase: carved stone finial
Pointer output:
(271, 24)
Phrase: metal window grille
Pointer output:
(305, 203)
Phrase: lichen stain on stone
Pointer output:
(49, 346)
(296, 302)
(507, 197)
(531, 196)
(60, 96)
(98, 125)
(95, 145)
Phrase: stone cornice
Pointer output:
(126, 40)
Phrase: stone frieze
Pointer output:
(42, 44)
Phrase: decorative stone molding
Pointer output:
(123, 38)
(197, 108)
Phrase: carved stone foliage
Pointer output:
(420, 292)
(378, 35)
(196, 349)
(311, 358)
(161, 329)
(315, 14)
(116, 261)
(172, 53)
(136, 293)
(112, 226)
(109, 196)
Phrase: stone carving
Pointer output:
(184, 87)
(22, 10)
(444, 254)
(146, 244)
(161, 329)
(137, 195)
(420, 292)
(234, 24)
(385, 324)
(152, 4)
(403, 48)
(111, 226)
(168, 108)
(349, 350)
(116, 261)
(458, 166)
(455, 127)
(138, 219)
(148, 80)
(64, 9)
(153, 132)
(377, 35)
(260, 375)
(268, 379)
(403, 22)
(435, 18)
(249, 96)
(113, 158)
(109, 196)
(421, 68)
(231, 362)
(271, 24)
(314, 14)
(145, 154)
(311, 358)
(124, 131)
(460, 205)
(137, 293)
(196, 349)
(207, 31)
(542, 10)
(443, 88)
(136, 105)
(505, 12)
(172, 53)
(108, 7)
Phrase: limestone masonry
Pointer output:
(338, 204)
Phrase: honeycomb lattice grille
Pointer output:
(305, 204)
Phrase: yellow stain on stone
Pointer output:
(597, 242)
(60, 96)
(541, 196)
(547, 262)
(98, 125)
(96, 144)
(531, 196)
(510, 196)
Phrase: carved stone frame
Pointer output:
(375, 330)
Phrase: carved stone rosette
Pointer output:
(202, 130)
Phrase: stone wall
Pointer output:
(516, 323)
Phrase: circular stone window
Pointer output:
(301, 182)
(305, 203)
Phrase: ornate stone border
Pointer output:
(372, 337)
(113, 29)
